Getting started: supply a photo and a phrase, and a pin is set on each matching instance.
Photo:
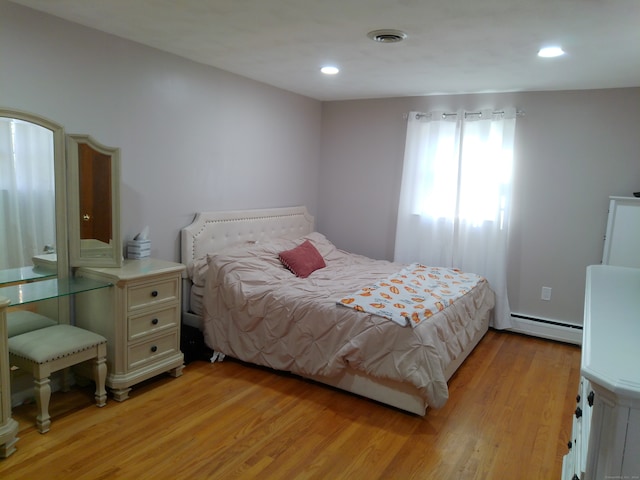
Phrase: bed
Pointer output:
(250, 306)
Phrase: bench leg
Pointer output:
(43, 395)
(100, 377)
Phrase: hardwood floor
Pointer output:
(508, 416)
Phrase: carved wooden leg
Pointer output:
(100, 376)
(43, 394)
(8, 438)
(120, 394)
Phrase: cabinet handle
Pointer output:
(154, 321)
(578, 412)
(590, 398)
(154, 349)
(154, 293)
(570, 444)
(578, 398)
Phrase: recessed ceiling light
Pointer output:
(329, 70)
(550, 52)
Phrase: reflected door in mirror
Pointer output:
(94, 203)
(95, 194)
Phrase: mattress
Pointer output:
(196, 299)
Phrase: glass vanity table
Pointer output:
(13, 276)
(134, 304)
(45, 286)
(50, 290)
(20, 287)
(82, 279)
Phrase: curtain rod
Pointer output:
(519, 113)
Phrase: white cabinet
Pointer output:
(140, 317)
(605, 438)
(622, 240)
(575, 461)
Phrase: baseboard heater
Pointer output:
(545, 328)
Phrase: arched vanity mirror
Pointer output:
(94, 206)
(33, 213)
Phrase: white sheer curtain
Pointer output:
(455, 199)
(27, 192)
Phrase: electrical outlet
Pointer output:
(546, 293)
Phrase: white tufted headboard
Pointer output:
(212, 231)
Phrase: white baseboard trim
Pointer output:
(553, 330)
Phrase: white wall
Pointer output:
(192, 137)
(574, 149)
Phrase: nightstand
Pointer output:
(139, 316)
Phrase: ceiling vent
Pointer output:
(387, 36)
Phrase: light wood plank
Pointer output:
(508, 416)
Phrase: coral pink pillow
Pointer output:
(302, 260)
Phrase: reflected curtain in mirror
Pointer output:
(27, 192)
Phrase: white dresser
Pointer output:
(605, 439)
(139, 316)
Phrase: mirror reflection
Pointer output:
(27, 192)
(94, 170)
(94, 209)
(33, 209)
(42, 223)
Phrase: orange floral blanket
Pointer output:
(414, 294)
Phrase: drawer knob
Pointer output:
(570, 444)
(578, 412)
(154, 321)
(578, 398)
(590, 398)
(154, 349)
(154, 293)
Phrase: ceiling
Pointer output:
(453, 46)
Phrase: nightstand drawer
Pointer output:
(152, 350)
(150, 294)
(153, 322)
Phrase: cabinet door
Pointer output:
(622, 240)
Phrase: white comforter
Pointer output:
(258, 311)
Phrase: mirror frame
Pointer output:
(60, 174)
(59, 165)
(76, 256)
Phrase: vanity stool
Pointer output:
(50, 349)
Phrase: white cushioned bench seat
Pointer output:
(51, 343)
(23, 321)
(47, 350)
